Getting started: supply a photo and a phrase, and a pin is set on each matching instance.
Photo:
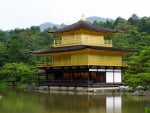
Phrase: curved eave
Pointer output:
(85, 25)
(82, 47)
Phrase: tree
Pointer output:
(127, 37)
(108, 24)
(3, 54)
(138, 72)
(134, 20)
(144, 25)
(18, 72)
(3, 48)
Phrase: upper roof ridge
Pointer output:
(83, 24)
(83, 18)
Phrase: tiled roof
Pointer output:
(85, 25)
(79, 47)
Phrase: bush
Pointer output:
(18, 72)
(141, 79)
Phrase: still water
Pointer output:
(33, 102)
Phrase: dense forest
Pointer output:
(16, 62)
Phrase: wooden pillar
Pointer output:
(71, 74)
(46, 77)
(113, 76)
(88, 78)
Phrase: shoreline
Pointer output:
(88, 90)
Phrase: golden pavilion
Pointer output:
(82, 58)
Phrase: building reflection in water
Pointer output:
(33, 102)
(113, 104)
(82, 103)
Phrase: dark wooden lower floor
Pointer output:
(84, 76)
(77, 83)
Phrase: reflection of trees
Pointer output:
(17, 102)
(74, 103)
(22, 102)
(32, 102)
(132, 104)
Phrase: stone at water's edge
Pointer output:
(141, 93)
(147, 93)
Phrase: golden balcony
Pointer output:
(52, 64)
(108, 43)
(60, 43)
(44, 64)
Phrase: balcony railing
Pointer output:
(51, 64)
(108, 43)
(59, 43)
(44, 64)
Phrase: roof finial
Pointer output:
(83, 18)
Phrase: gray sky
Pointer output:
(26, 13)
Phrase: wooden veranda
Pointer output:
(76, 83)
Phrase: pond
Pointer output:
(12, 101)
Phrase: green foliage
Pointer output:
(141, 79)
(3, 54)
(144, 25)
(3, 85)
(15, 46)
(134, 20)
(18, 72)
(140, 63)
(147, 109)
(133, 33)
(138, 72)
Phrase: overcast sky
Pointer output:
(26, 13)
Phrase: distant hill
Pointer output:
(90, 19)
(48, 25)
(98, 19)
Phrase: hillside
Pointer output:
(91, 19)
(46, 25)
(98, 19)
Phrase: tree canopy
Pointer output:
(18, 72)
(15, 46)
(133, 33)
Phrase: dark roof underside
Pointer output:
(79, 47)
(85, 25)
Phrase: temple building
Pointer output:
(82, 58)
